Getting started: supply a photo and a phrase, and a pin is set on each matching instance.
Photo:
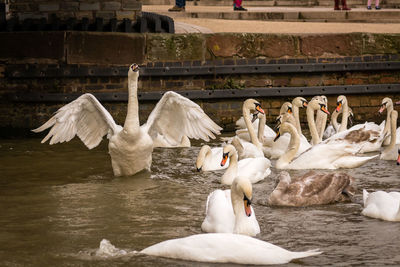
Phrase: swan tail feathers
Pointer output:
(308, 253)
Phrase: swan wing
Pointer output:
(84, 117)
(176, 116)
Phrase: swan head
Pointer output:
(341, 100)
(202, 156)
(300, 102)
(133, 70)
(286, 108)
(253, 105)
(285, 127)
(386, 103)
(228, 151)
(318, 103)
(242, 188)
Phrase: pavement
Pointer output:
(288, 20)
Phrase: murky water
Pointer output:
(58, 202)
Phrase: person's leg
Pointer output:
(369, 4)
(180, 3)
(344, 5)
(377, 4)
(337, 5)
(179, 6)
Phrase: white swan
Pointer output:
(173, 119)
(255, 169)
(312, 189)
(320, 156)
(273, 148)
(225, 248)
(382, 205)
(387, 104)
(390, 152)
(334, 126)
(298, 102)
(251, 149)
(210, 159)
(230, 211)
(316, 103)
(321, 117)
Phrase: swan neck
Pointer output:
(261, 127)
(345, 117)
(292, 150)
(253, 137)
(335, 124)
(297, 118)
(231, 171)
(393, 125)
(132, 118)
(387, 123)
(312, 126)
(238, 209)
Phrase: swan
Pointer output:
(230, 211)
(316, 103)
(382, 205)
(298, 102)
(321, 117)
(334, 126)
(387, 104)
(251, 149)
(225, 248)
(320, 156)
(390, 152)
(273, 148)
(209, 159)
(255, 169)
(312, 189)
(130, 147)
(258, 122)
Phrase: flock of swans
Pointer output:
(230, 222)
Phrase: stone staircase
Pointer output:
(276, 3)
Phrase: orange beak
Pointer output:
(290, 111)
(259, 109)
(398, 158)
(224, 159)
(323, 108)
(305, 104)
(247, 207)
(338, 107)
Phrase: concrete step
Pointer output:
(277, 3)
(359, 15)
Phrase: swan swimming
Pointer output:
(382, 205)
(214, 248)
(312, 189)
(230, 211)
(173, 120)
(254, 169)
(209, 159)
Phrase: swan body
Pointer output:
(320, 156)
(382, 205)
(209, 159)
(230, 211)
(390, 152)
(225, 248)
(312, 189)
(130, 147)
(254, 169)
(246, 149)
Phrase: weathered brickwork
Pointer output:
(120, 9)
(63, 49)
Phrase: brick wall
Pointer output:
(91, 9)
(63, 49)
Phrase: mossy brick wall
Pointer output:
(163, 50)
(119, 9)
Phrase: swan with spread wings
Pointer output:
(172, 122)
